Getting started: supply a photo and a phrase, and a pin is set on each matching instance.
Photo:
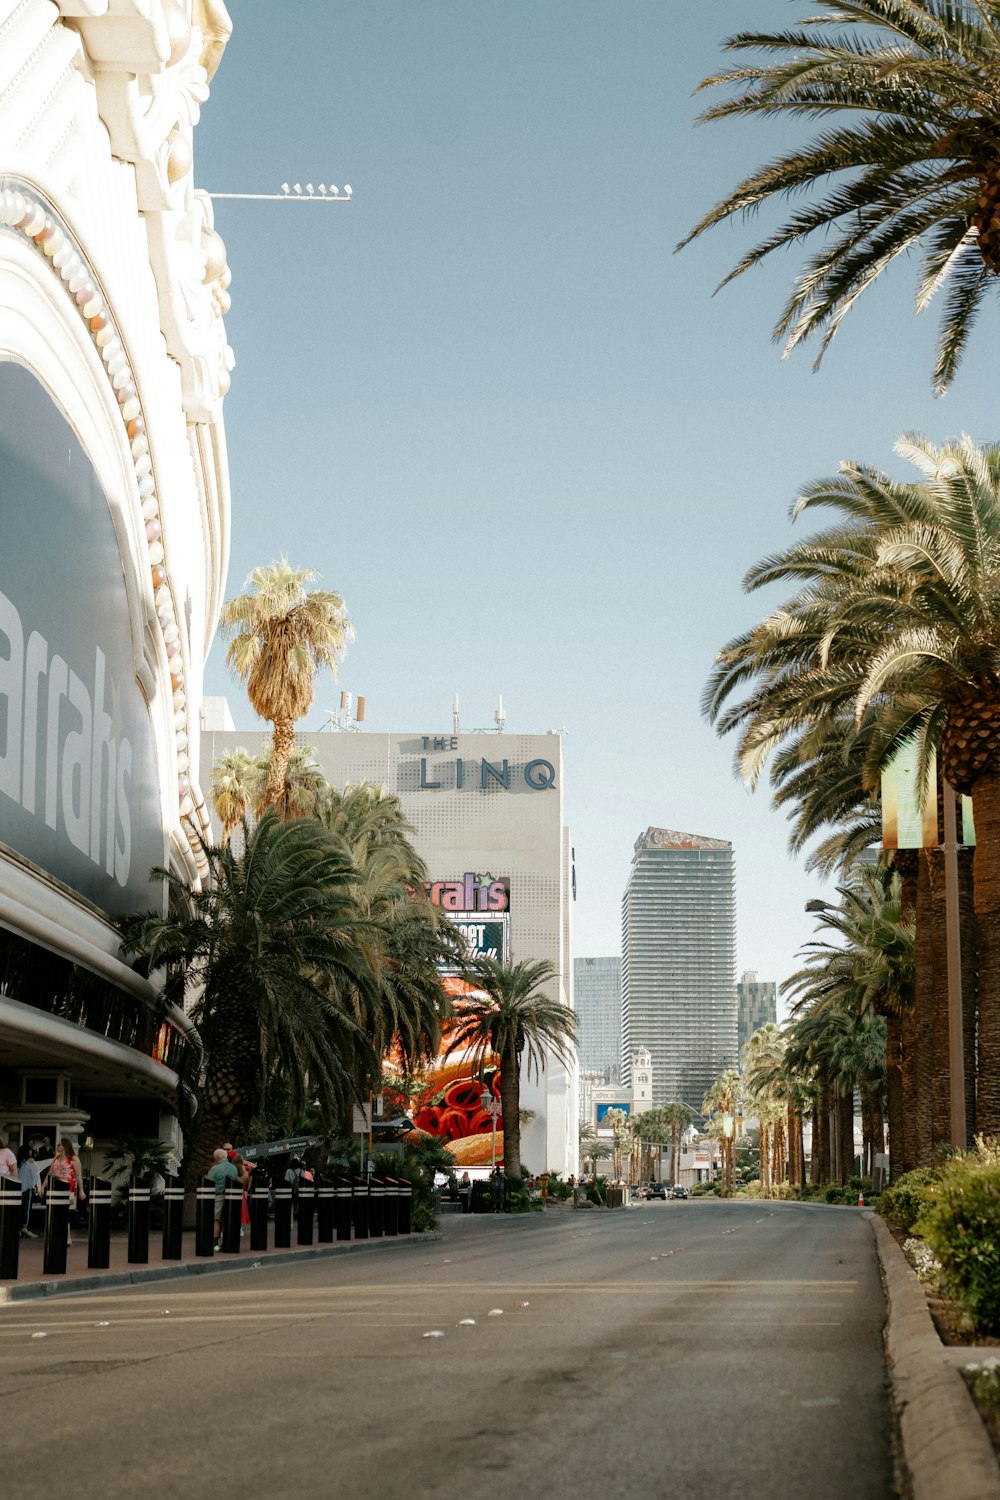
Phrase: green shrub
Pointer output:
(903, 1200)
(960, 1222)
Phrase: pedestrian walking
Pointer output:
(30, 1179)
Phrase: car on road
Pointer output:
(678, 1192)
(655, 1190)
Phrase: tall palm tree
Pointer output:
(236, 786)
(282, 634)
(721, 1103)
(910, 163)
(514, 1016)
(266, 949)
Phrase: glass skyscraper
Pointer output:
(679, 962)
(757, 1001)
(597, 1000)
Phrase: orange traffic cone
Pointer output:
(861, 1200)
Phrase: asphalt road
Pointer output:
(697, 1351)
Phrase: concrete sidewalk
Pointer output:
(945, 1447)
(33, 1283)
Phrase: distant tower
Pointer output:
(597, 1000)
(757, 1004)
(679, 961)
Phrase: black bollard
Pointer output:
(376, 1208)
(138, 1224)
(283, 1217)
(204, 1220)
(307, 1211)
(99, 1233)
(324, 1211)
(260, 1200)
(360, 1204)
(405, 1206)
(10, 1227)
(56, 1226)
(342, 1208)
(390, 1206)
(173, 1219)
(232, 1212)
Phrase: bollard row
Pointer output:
(322, 1212)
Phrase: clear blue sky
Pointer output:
(491, 407)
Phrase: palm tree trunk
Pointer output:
(986, 797)
(510, 1112)
(906, 861)
(970, 984)
(283, 743)
(845, 1131)
(940, 1039)
(918, 1069)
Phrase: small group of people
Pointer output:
(228, 1166)
(34, 1176)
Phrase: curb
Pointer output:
(945, 1447)
(33, 1291)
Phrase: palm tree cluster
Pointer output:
(892, 641)
(302, 964)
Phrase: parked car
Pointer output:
(678, 1192)
(655, 1190)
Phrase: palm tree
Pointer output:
(267, 948)
(898, 619)
(236, 786)
(910, 163)
(722, 1102)
(514, 1018)
(281, 636)
(415, 940)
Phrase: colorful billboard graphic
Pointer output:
(448, 1101)
(601, 1110)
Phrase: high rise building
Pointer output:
(597, 998)
(678, 962)
(756, 1004)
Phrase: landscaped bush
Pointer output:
(903, 1200)
(960, 1222)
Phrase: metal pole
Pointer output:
(953, 932)
(10, 1226)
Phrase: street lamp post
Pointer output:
(492, 1106)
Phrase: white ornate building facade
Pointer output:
(114, 519)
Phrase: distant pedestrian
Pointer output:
(65, 1167)
(243, 1170)
(220, 1172)
(8, 1161)
(496, 1186)
(31, 1187)
(466, 1189)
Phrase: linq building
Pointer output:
(487, 810)
(114, 528)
